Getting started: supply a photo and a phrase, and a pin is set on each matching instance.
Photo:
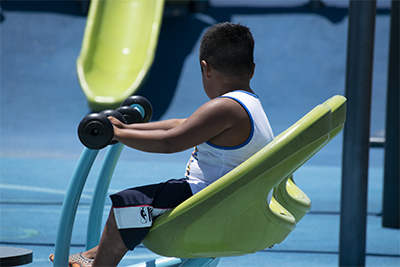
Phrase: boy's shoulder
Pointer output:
(222, 109)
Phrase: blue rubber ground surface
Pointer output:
(300, 57)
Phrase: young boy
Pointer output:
(224, 132)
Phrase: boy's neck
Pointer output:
(216, 84)
(230, 84)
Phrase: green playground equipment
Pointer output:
(234, 216)
(251, 208)
(118, 49)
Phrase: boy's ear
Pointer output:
(205, 68)
(252, 73)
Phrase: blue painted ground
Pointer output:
(300, 57)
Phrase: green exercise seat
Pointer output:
(118, 49)
(234, 215)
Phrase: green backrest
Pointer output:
(233, 216)
(288, 194)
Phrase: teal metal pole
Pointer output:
(359, 68)
(70, 206)
(99, 197)
(391, 181)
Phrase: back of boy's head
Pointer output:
(229, 48)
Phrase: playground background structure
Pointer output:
(300, 57)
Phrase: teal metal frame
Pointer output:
(70, 206)
(93, 233)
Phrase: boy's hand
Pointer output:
(117, 124)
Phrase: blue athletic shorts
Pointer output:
(136, 208)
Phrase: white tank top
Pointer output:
(210, 162)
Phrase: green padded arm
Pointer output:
(118, 49)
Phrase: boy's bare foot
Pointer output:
(77, 260)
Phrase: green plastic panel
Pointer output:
(233, 216)
(118, 49)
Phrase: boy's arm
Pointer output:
(207, 122)
(157, 125)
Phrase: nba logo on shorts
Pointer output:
(145, 215)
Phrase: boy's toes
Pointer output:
(76, 264)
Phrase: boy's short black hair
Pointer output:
(228, 48)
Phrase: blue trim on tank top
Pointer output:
(251, 122)
(243, 91)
